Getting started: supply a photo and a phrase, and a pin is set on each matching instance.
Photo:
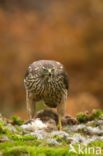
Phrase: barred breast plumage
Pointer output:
(49, 88)
(48, 81)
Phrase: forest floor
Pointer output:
(41, 137)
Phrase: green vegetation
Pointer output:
(83, 117)
(17, 120)
(14, 142)
(61, 140)
(27, 148)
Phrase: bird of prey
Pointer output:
(46, 80)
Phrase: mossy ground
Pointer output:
(27, 148)
(18, 144)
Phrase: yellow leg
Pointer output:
(59, 123)
(31, 106)
(61, 114)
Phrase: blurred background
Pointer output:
(67, 31)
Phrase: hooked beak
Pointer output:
(49, 71)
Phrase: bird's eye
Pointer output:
(44, 69)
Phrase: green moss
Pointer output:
(18, 129)
(98, 143)
(46, 151)
(96, 114)
(83, 118)
(23, 138)
(19, 144)
(15, 151)
(19, 148)
(3, 129)
(17, 121)
(35, 151)
(61, 140)
(2, 123)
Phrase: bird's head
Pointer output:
(48, 73)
